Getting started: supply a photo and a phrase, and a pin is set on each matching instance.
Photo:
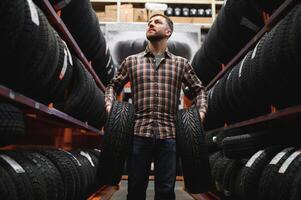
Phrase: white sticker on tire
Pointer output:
(18, 168)
(254, 52)
(88, 157)
(33, 12)
(253, 158)
(279, 155)
(288, 161)
(241, 65)
(68, 53)
(109, 61)
(78, 163)
(64, 68)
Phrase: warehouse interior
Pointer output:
(58, 57)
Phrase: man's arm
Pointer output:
(196, 86)
(116, 85)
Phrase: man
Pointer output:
(156, 77)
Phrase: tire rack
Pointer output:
(38, 112)
(60, 27)
(48, 113)
(293, 112)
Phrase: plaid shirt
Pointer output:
(156, 91)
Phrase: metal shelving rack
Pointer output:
(283, 115)
(45, 113)
(212, 3)
(293, 111)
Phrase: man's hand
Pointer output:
(202, 116)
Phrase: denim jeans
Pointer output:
(163, 153)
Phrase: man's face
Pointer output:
(157, 29)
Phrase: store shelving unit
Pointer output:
(283, 116)
(208, 3)
(273, 19)
(275, 115)
(51, 118)
(47, 126)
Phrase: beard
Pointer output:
(155, 37)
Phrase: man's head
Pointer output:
(159, 27)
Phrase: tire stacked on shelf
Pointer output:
(260, 79)
(85, 101)
(279, 60)
(11, 124)
(82, 22)
(34, 62)
(17, 175)
(257, 175)
(236, 24)
(48, 174)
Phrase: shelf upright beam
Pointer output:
(118, 10)
(275, 17)
(60, 26)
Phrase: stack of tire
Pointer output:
(250, 164)
(84, 101)
(35, 61)
(260, 79)
(82, 22)
(48, 174)
(12, 125)
(237, 22)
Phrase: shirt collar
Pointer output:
(148, 52)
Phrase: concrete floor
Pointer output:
(180, 193)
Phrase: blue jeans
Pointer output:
(163, 153)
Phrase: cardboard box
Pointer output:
(111, 12)
(204, 20)
(181, 19)
(126, 12)
(127, 15)
(152, 12)
(201, 20)
(140, 15)
(101, 16)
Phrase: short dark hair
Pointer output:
(168, 20)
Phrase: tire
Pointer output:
(11, 124)
(117, 139)
(192, 147)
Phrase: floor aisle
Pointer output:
(180, 193)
